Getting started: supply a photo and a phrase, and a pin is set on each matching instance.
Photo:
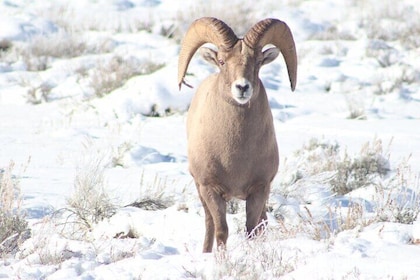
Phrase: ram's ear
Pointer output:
(209, 55)
(269, 55)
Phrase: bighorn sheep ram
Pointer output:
(232, 146)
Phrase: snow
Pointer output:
(56, 129)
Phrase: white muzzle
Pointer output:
(241, 90)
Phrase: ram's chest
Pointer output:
(231, 147)
(226, 134)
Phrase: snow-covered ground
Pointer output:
(79, 81)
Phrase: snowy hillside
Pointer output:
(94, 180)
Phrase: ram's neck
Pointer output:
(233, 118)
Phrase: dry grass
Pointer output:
(395, 195)
(259, 258)
(112, 74)
(356, 108)
(331, 34)
(153, 195)
(391, 22)
(229, 12)
(398, 199)
(349, 173)
(42, 50)
(394, 78)
(13, 226)
(37, 93)
(108, 74)
(361, 171)
(69, 19)
(89, 203)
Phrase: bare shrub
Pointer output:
(317, 156)
(37, 93)
(362, 170)
(411, 36)
(259, 258)
(13, 226)
(46, 247)
(234, 206)
(347, 218)
(390, 22)
(41, 50)
(13, 231)
(395, 197)
(116, 21)
(398, 200)
(356, 108)
(152, 195)
(395, 72)
(112, 74)
(350, 173)
(325, 222)
(118, 154)
(89, 202)
(57, 45)
(316, 228)
(332, 33)
(5, 45)
(229, 12)
(150, 204)
(393, 79)
(384, 54)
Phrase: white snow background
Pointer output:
(89, 97)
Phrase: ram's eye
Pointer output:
(221, 62)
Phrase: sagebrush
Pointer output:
(89, 203)
(13, 226)
(350, 173)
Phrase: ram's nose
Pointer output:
(241, 90)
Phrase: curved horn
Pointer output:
(201, 31)
(276, 32)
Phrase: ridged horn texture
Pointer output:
(276, 32)
(201, 31)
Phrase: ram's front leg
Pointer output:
(209, 235)
(256, 216)
(215, 206)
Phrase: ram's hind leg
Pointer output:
(256, 216)
(215, 210)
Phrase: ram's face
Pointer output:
(239, 67)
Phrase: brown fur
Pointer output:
(232, 147)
